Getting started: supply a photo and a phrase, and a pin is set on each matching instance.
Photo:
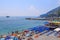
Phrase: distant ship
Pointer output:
(7, 16)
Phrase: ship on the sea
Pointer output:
(7, 16)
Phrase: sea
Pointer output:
(14, 23)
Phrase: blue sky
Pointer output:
(26, 7)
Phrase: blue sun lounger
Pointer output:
(39, 29)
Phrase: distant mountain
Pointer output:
(53, 13)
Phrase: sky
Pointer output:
(27, 7)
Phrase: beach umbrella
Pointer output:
(42, 28)
(39, 28)
(33, 29)
(30, 29)
(47, 28)
(46, 23)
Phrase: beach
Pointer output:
(29, 19)
(19, 28)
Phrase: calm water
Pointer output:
(17, 23)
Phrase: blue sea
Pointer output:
(17, 23)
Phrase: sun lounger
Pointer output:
(46, 31)
(56, 34)
(54, 31)
(51, 32)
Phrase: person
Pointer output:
(2, 38)
(59, 34)
(23, 35)
(30, 38)
(15, 38)
(13, 34)
(16, 32)
(36, 36)
(19, 38)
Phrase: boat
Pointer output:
(7, 16)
